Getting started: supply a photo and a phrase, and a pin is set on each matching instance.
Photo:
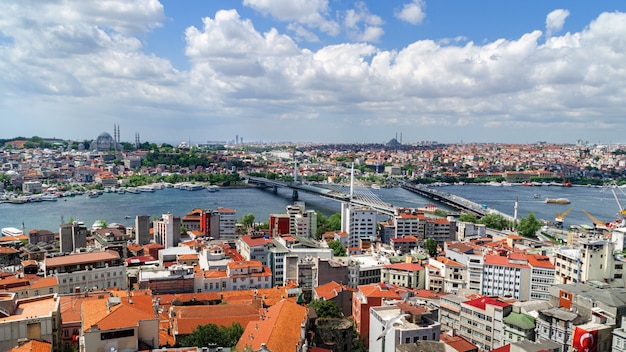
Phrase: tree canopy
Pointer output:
(338, 249)
(248, 220)
(326, 309)
(221, 336)
(431, 247)
(528, 225)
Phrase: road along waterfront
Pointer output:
(122, 208)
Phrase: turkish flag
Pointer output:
(585, 341)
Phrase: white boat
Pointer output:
(93, 194)
(49, 197)
(191, 187)
(120, 191)
(132, 190)
(375, 186)
(11, 231)
(212, 188)
(146, 188)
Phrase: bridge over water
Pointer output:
(359, 196)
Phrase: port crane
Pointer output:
(597, 224)
(558, 220)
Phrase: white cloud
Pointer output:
(413, 12)
(313, 13)
(555, 21)
(73, 65)
(362, 25)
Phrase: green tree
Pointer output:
(326, 309)
(222, 336)
(431, 247)
(338, 249)
(334, 222)
(495, 221)
(528, 225)
(468, 218)
(441, 213)
(248, 220)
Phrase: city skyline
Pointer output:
(315, 71)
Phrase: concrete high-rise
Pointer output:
(142, 229)
(72, 236)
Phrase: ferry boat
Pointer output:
(49, 197)
(132, 190)
(212, 188)
(557, 201)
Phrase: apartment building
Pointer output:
(86, 271)
(35, 318)
(507, 276)
(407, 222)
(404, 244)
(411, 275)
(359, 223)
(167, 230)
(419, 323)
(591, 260)
(541, 276)
(471, 256)
(482, 321)
(449, 275)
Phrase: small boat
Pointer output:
(120, 191)
(375, 186)
(132, 190)
(536, 195)
(212, 188)
(93, 194)
(49, 197)
(557, 201)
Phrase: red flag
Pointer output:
(585, 341)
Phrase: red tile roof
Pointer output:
(279, 331)
(482, 302)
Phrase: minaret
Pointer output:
(515, 214)
(352, 182)
(295, 168)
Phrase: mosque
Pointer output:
(105, 142)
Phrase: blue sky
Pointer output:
(315, 70)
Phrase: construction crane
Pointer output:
(599, 225)
(558, 220)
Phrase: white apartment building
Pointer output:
(468, 230)
(416, 325)
(167, 230)
(407, 223)
(482, 321)
(86, 271)
(472, 257)
(228, 220)
(34, 318)
(591, 260)
(359, 223)
(541, 276)
(452, 274)
(506, 276)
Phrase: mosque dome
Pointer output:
(103, 142)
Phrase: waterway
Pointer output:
(122, 208)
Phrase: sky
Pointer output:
(320, 71)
